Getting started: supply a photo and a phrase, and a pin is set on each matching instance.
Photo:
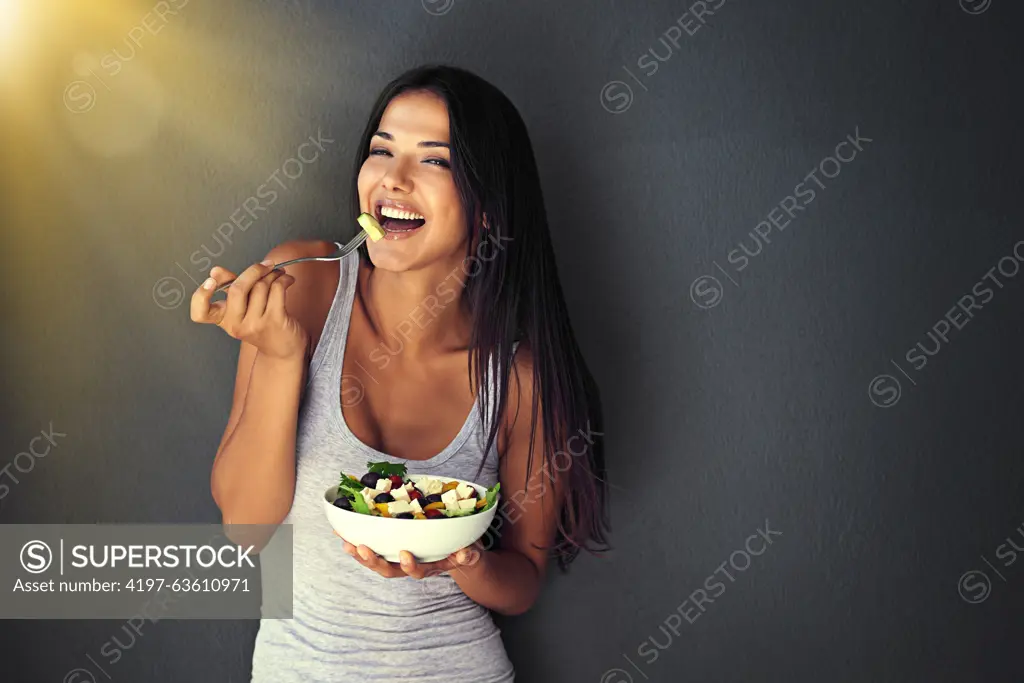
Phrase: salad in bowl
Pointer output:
(372, 510)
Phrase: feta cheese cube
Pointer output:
(368, 495)
(415, 507)
(383, 485)
(430, 486)
(467, 503)
(397, 507)
(464, 490)
(400, 493)
(450, 499)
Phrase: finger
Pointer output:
(425, 569)
(437, 568)
(465, 557)
(238, 292)
(367, 561)
(375, 562)
(275, 304)
(468, 557)
(201, 310)
(348, 547)
(258, 295)
(410, 566)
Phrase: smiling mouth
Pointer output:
(392, 224)
(401, 224)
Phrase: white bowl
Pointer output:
(429, 540)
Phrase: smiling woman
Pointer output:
(411, 148)
(487, 385)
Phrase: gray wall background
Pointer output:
(778, 394)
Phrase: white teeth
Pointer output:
(389, 212)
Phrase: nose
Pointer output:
(396, 177)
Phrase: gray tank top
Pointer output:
(350, 623)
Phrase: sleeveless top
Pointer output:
(350, 623)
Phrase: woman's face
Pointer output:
(409, 163)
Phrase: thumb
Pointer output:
(468, 556)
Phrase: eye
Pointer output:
(433, 161)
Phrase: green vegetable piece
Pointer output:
(491, 497)
(359, 504)
(350, 484)
(352, 489)
(457, 513)
(386, 469)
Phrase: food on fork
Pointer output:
(371, 226)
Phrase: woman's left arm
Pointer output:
(509, 578)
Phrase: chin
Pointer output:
(388, 258)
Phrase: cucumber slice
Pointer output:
(371, 226)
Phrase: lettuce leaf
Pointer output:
(491, 498)
(387, 469)
(352, 489)
(350, 484)
(458, 513)
(359, 504)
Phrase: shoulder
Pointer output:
(519, 402)
(525, 435)
(299, 248)
(309, 299)
(310, 276)
(522, 365)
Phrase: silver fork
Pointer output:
(340, 253)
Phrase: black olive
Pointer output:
(473, 494)
(369, 480)
(432, 498)
(383, 498)
(404, 515)
(343, 503)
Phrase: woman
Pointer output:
(342, 363)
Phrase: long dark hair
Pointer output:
(516, 295)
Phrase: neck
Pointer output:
(419, 314)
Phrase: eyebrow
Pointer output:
(424, 143)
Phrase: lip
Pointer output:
(400, 205)
(395, 204)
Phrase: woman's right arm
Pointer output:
(253, 476)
